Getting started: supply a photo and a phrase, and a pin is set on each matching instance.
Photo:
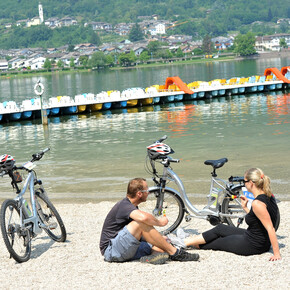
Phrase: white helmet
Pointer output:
(158, 149)
(6, 162)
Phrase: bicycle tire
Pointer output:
(229, 208)
(173, 206)
(50, 216)
(16, 239)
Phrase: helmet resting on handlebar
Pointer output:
(157, 150)
(6, 162)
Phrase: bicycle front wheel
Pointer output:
(172, 205)
(16, 237)
(50, 217)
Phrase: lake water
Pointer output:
(59, 84)
(93, 156)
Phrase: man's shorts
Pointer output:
(125, 247)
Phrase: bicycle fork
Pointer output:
(160, 198)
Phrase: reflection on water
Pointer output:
(94, 155)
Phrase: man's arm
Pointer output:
(148, 219)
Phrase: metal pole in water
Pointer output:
(39, 90)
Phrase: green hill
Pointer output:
(202, 17)
(229, 12)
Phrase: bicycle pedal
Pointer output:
(52, 226)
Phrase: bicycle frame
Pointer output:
(22, 221)
(36, 222)
(218, 187)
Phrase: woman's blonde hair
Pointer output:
(261, 180)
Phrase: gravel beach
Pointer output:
(78, 264)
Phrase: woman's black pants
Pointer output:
(229, 239)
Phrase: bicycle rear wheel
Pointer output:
(16, 237)
(233, 207)
(173, 206)
(50, 217)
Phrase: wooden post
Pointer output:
(39, 90)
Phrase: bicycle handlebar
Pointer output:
(236, 179)
(38, 156)
(168, 160)
(161, 139)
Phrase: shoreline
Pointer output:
(78, 264)
(265, 54)
(196, 200)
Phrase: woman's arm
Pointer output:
(244, 202)
(263, 215)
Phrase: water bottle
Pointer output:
(26, 208)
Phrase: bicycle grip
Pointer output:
(45, 150)
(162, 139)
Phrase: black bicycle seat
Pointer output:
(216, 163)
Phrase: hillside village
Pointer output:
(34, 58)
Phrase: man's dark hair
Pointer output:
(134, 186)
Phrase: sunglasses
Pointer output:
(245, 181)
(144, 190)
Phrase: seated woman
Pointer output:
(259, 235)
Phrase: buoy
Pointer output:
(39, 88)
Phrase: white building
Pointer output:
(33, 21)
(160, 28)
(157, 29)
(52, 22)
(40, 11)
(3, 64)
(16, 62)
(68, 21)
(271, 42)
(37, 63)
(36, 20)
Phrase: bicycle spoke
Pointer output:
(172, 208)
(16, 237)
(50, 218)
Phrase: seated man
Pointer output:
(129, 234)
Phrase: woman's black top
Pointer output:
(256, 233)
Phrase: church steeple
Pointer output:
(40, 11)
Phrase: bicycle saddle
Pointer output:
(216, 163)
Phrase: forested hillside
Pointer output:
(199, 18)
(229, 13)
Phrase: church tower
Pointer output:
(40, 10)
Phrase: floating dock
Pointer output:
(174, 90)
